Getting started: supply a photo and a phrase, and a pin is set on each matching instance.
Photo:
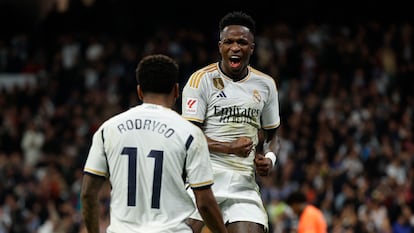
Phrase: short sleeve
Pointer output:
(96, 163)
(198, 164)
(194, 104)
(270, 115)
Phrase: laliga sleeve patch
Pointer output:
(191, 106)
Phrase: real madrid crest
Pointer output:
(256, 96)
(218, 83)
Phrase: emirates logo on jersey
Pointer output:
(256, 96)
(191, 105)
(218, 83)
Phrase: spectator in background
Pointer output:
(348, 100)
(374, 214)
(310, 218)
(32, 143)
(404, 222)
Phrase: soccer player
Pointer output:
(311, 218)
(232, 102)
(148, 153)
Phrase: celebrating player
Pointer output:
(231, 101)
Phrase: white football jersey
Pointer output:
(148, 152)
(231, 109)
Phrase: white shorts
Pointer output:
(238, 197)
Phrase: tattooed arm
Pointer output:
(91, 186)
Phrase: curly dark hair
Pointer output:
(157, 73)
(238, 18)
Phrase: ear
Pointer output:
(252, 48)
(220, 44)
(176, 91)
(139, 92)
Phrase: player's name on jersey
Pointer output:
(146, 124)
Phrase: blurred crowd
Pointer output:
(347, 104)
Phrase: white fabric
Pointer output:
(238, 197)
(154, 135)
(230, 110)
(272, 157)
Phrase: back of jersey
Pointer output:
(149, 150)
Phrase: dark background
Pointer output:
(350, 90)
(132, 17)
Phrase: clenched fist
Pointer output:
(263, 165)
(241, 146)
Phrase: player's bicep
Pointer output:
(269, 134)
(91, 184)
(204, 194)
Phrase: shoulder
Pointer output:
(312, 211)
(184, 124)
(115, 119)
(186, 127)
(260, 74)
(200, 74)
(190, 126)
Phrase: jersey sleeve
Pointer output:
(194, 104)
(270, 115)
(96, 163)
(198, 165)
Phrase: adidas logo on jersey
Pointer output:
(221, 94)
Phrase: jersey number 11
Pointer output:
(131, 152)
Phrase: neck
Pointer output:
(158, 99)
(302, 208)
(234, 77)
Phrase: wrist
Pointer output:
(272, 157)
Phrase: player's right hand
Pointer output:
(241, 146)
(263, 164)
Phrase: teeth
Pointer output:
(235, 57)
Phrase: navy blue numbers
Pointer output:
(158, 155)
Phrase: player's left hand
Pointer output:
(263, 164)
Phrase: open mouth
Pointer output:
(235, 61)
